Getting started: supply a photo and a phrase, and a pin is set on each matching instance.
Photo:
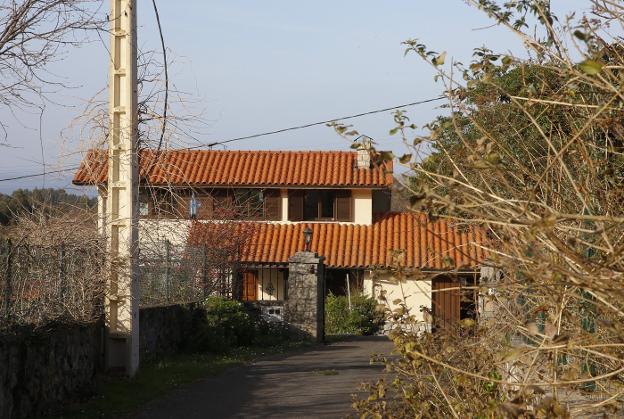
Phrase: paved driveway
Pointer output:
(317, 383)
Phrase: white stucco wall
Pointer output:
(157, 231)
(284, 196)
(414, 292)
(362, 206)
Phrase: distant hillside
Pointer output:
(24, 201)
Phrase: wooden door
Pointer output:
(250, 286)
(446, 301)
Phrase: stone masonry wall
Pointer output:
(305, 311)
(165, 330)
(42, 370)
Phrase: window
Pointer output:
(214, 204)
(249, 203)
(239, 204)
(158, 203)
(320, 205)
(258, 204)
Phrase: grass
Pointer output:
(118, 396)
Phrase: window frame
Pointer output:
(313, 211)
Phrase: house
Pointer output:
(343, 197)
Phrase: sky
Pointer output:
(248, 67)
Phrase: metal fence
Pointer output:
(178, 274)
(42, 284)
(66, 283)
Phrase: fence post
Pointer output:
(205, 270)
(8, 288)
(167, 270)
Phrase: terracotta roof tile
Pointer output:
(243, 168)
(365, 246)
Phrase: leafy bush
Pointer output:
(228, 324)
(362, 319)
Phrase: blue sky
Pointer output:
(250, 67)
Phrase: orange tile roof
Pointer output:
(243, 168)
(424, 244)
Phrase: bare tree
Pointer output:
(33, 34)
(53, 269)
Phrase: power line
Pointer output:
(247, 137)
(40, 174)
(313, 124)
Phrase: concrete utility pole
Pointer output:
(122, 297)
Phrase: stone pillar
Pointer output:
(305, 307)
(490, 277)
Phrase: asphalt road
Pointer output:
(316, 383)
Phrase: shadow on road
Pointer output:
(311, 383)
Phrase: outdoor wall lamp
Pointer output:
(307, 236)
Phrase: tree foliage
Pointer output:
(42, 201)
(532, 152)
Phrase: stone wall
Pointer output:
(165, 330)
(42, 370)
(305, 307)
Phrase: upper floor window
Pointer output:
(220, 204)
(320, 205)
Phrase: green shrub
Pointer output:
(228, 324)
(362, 319)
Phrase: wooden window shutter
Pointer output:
(206, 207)
(272, 205)
(344, 206)
(446, 304)
(223, 204)
(295, 205)
(181, 204)
(164, 205)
